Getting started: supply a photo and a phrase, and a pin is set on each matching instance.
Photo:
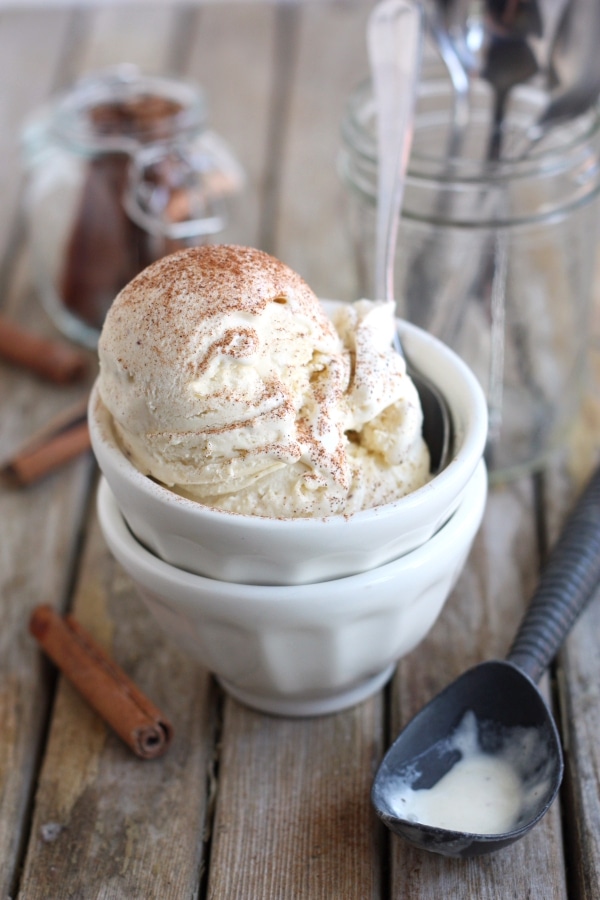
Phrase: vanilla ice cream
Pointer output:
(227, 382)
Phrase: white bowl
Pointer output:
(302, 649)
(260, 550)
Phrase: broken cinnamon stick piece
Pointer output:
(53, 360)
(25, 468)
(102, 683)
(60, 440)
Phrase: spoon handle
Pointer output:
(567, 583)
(394, 35)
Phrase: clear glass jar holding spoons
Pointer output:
(495, 259)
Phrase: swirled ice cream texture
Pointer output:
(227, 382)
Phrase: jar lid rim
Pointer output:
(360, 139)
(71, 119)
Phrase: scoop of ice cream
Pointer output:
(227, 382)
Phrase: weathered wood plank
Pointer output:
(578, 670)
(232, 58)
(38, 536)
(312, 235)
(39, 525)
(293, 815)
(579, 686)
(31, 47)
(114, 33)
(107, 824)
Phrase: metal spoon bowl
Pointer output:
(508, 42)
(502, 695)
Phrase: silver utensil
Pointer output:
(499, 50)
(504, 42)
(394, 37)
(574, 65)
(422, 279)
(436, 16)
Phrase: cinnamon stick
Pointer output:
(25, 468)
(53, 360)
(102, 683)
(60, 440)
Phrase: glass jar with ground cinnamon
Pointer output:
(122, 170)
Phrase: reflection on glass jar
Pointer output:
(121, 170)
(494, 258)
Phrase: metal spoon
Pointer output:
(394, 33)
(575, 67)
(423, 278)
(502, 695)
(505, 57)
(498, 48)
(436, 15)
(505, 42)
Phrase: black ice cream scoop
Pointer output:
(502, 695)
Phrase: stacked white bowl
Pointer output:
(302, 616)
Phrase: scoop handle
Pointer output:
(566, 584)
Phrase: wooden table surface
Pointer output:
(244, 806)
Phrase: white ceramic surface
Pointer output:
(302, 649)
(257, 550)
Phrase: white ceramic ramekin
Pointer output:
(257, 550)
(302, 649)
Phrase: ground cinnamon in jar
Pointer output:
(122, 170)
(106, 249)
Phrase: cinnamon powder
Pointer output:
(106, 249)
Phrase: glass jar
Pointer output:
(121, 170)
(495, 258)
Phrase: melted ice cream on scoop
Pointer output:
(482, 793)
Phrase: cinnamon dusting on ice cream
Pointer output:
(227, 381)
